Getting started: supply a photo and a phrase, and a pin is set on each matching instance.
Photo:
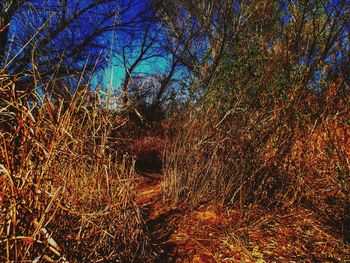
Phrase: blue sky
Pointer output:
(114, 73)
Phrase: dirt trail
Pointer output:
(177, 235)
(160, 219)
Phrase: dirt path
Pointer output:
(177, 235)
(160, 219)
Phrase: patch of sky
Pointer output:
(114, 75)
(237, 6)
(317, 81)
(285, 14)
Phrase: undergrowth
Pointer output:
(268, 153)
(64, 194)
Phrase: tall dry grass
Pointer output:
(263, 154)
(226, 159)
(65, 195)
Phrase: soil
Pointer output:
(217, 234)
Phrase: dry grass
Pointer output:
(63, 196)
(233, 158)
(266, 155)
(283, 167)
(67, 186)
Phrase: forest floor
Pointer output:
(296, 233)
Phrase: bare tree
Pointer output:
(58, 39)
(199, 32)
(137, 49)
(315, 32)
